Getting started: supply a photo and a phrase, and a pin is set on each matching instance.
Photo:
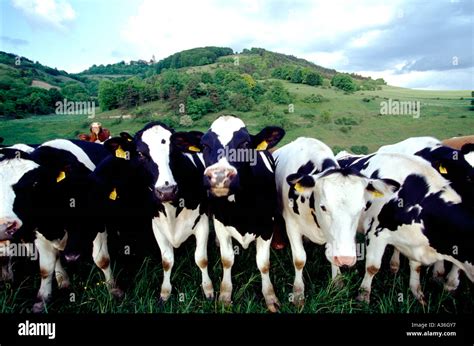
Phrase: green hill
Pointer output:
(260, 86)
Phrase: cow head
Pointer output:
(339, 198)
(24, 186)
(452, 165)
(229, 149)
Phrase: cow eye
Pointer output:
(323, 207)
(141, 155)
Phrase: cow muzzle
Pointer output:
(166, 193)
(219, 180)
(344, 261)
(8, 227)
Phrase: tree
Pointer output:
(344, 82)
(108, 95)
(278, 94)
(312, 78)
(241, 102)
(296, 76)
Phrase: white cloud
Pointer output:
(459, 79)
(163, 28)
(54, 13)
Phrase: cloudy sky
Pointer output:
(411, 43)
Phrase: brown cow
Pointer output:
(458, 142)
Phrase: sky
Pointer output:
(423, 44)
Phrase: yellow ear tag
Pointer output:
(194, 148)
(120, 153)
(262, 146)
(61, 176)
(377, 194)
(299, 188)
(113, 194)
(443, 170)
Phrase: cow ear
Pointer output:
(117, 147)
(440, 167)
(126, 136)
(268, 137)
(188, 142)
(378, 188)
(301, 183)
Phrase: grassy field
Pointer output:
(142, 281)
(443, 114)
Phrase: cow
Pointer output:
(450, 163)
(315, 203)
(458, 142)
(425, 221)
(45, 200)
(240, 183)
(151, 164)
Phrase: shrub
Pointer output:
(325, 117)
(360, 149)
(345, 129)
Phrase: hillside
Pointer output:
(260, 86)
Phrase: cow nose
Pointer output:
(220, 177)
(167, 193)
(9, 226)
(341, 261)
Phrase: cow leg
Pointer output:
(263, 264)
(452, 282)
(299, 261)
(6, 264)
(395, 261)
(47, 261)
(200, 257)
(101, 257)
(227, 259)
(372, 265)
(438, 270)
(167, 260)
(61, 276)
(415, 287)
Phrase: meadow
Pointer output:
(340, 120)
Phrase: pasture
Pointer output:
(341, 121)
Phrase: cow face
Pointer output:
(154, 145)
(22, 184)
(340, 197)
(229, 149)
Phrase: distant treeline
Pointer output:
(192, 57)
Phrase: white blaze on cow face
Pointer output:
(222, 172)
(11, 171)
(225, 126)
(158, 140)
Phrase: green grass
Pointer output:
(142, 293)
(443, 115)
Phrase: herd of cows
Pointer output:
(65, 195)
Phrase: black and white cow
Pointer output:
(450, 163)
(323, 202)
(426, 220)
(45, 199)
(153, 162)
(240, 181)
